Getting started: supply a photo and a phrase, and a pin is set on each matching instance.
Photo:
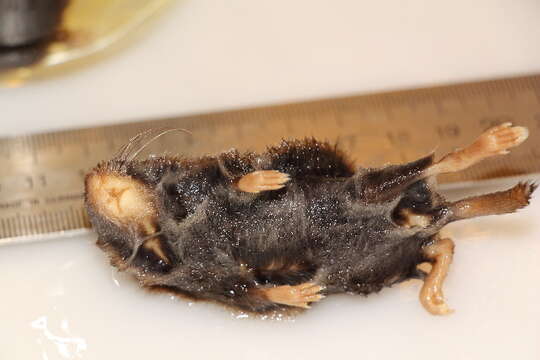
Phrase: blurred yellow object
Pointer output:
(86, 28)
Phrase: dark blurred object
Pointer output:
(38, 36)
(25, 28)
(21, 55)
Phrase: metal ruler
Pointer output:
(41, 178)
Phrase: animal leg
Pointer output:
(440, 254)
(262, 180)
(236, 290)
(495, 141)
(501, 202)
(380, 185)
(293, 295)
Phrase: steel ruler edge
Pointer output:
(41, 178)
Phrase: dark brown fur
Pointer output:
(333, 225)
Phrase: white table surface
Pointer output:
(61, 300)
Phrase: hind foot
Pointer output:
(262, 180)
(495, 141)
(440, 254)
(498, 139)
(297, 295)
(501, 202)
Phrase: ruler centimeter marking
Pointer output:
(41, 183)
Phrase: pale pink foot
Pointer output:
(297, 295)
(495, 141)
(262, 180)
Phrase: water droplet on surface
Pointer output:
(114, 277)
(69, 347)
(242, 316)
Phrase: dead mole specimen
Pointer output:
(282, 229)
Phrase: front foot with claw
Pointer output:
(262, 180)
(297, 295)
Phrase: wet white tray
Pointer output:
(61, 300)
